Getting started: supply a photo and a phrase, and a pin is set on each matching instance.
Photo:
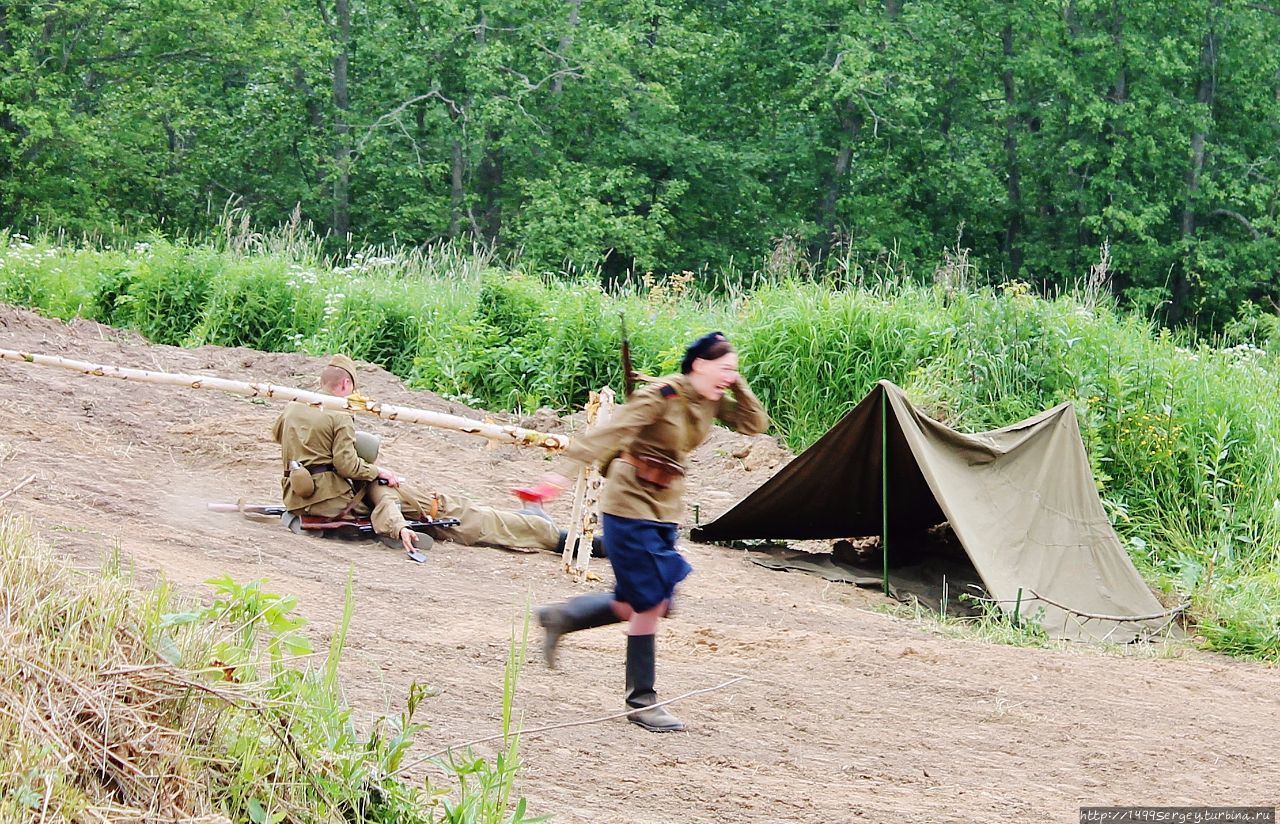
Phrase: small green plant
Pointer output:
(486, 786)
(988, 622)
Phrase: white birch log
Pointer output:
(587, 519)
(569, 555)
(501, 433)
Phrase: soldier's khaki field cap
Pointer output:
(347, 365)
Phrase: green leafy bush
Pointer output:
(167, 290)
(252, 304)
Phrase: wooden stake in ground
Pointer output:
(500, 433)
(585, 518)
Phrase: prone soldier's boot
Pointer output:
(535, 509)
(597, 545)
(640, 694)
(578, 613)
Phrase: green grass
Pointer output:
(1183, 435)
(119, 704)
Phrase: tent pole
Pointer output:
(884, 487)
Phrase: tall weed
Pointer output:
(167, 290)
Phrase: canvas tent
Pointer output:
(1021, 500)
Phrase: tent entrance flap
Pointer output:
(1021, 501)
(912, 507)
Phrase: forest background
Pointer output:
(647, 135)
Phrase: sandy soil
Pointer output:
(848, 714)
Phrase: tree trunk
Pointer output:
(6, 47)
(566, 43)
(851, 122)
(315, 117)
(1114, 131)
(488, 187)
(8, 210)
(1120, 84)
(1206, 89)
(1072, 18)
(1013, 226)
(1079, 175)
(456, 192)
(341, 128)
(488, 177)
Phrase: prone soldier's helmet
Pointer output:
(367, 446)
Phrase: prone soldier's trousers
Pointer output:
(388, 508)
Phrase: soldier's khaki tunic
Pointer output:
(667, 419)
(312, 435)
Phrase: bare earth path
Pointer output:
(848, 714)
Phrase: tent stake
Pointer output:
(884, 487)
(1017, 608)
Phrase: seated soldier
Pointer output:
(331, 480)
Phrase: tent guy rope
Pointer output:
(1168, 613)
(567, 724)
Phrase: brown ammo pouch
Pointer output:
(660, 472)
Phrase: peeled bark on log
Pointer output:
(585, 519)
(353, 403)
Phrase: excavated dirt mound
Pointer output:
(847, 714)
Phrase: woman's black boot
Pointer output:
(640, 694)
(580, 612)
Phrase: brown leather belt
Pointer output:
(658, 471)
(317, 469)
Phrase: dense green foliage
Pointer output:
(1184, 438)
(666, 135)
(144, 706)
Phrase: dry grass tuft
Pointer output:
(93, 724)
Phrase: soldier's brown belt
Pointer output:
(658, 471)
(317, 469)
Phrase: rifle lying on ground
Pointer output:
(355, 528)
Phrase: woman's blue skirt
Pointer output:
(646, 565)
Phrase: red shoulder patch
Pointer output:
(667, 391)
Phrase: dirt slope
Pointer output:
(848, 715)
